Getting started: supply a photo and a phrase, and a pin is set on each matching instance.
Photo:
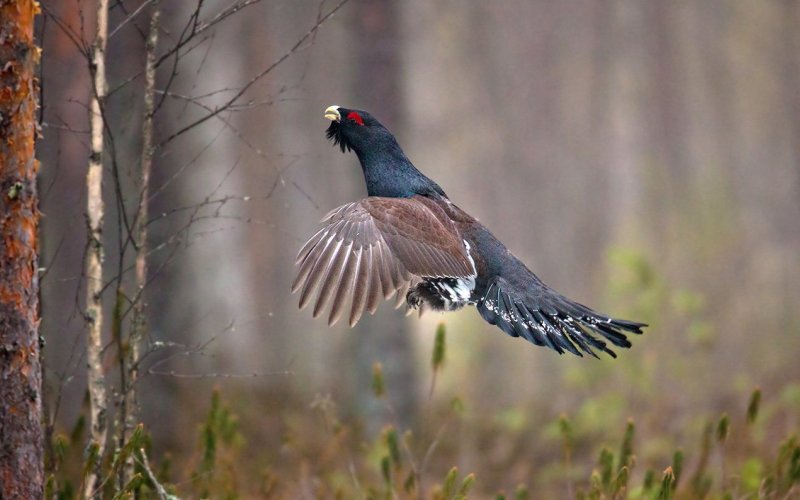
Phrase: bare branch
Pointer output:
(256, 78)
(197, 28)
(160, 490)
(130, 17)
(200, 350)
(75, 38)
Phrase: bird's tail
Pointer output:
(544, 317)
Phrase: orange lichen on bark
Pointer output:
(21, 466)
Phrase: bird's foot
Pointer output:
(413, 298)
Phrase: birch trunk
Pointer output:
(94, 259)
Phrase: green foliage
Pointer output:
(448, 487)
(584, 459)
(410, 485)
(649, 481)
(393, 446)
(723, 428)
(752, 407)
(565, 429)
(677, 465)
(667, 485)
(378, 387)
(437, 357)
(219, 437)
(78, 429)
(457, 405)
(701, 481)
(606, 464)
(131, 487)
(135, 442)
(786, 470)
(92, 458)
(752, 473)
(466, 485)
(626, 450)
(621, 483)
(386, 471)
(521, 493)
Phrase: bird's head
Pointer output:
(356, 130)
(387, 170)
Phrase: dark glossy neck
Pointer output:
(388, 172)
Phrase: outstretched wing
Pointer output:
(544, 317)
(374, 247)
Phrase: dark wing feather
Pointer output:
(544, 317)
(375, 247)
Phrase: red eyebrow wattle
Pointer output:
(355, 117)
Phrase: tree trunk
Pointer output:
(94, 259)
(626, 107)
(21, 451)
(130, 408)
(386, 338)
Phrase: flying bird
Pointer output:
(407, 238)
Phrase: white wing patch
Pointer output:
(456, 293)
(468, 285)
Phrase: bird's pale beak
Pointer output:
(332, 114)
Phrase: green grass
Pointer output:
(661, 422)
(729, 457)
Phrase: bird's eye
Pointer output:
(355, 118)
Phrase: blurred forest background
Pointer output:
(642, 157)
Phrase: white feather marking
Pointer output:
(466, 286)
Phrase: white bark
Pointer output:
(94, 258)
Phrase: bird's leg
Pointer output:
(414, 298)
(426, 293)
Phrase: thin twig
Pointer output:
(160, 490)
(256, 78)
(130, 17)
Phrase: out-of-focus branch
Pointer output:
(67, 30)
(233, 100)
(192, 35)
(94, 260)
(130, 17)
(195, 28)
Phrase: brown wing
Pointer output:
(373, 248)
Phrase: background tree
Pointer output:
(95, 256)
(377, 83)
(21, 446)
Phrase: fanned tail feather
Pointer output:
(546, 318)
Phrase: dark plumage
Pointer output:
(408, 238)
